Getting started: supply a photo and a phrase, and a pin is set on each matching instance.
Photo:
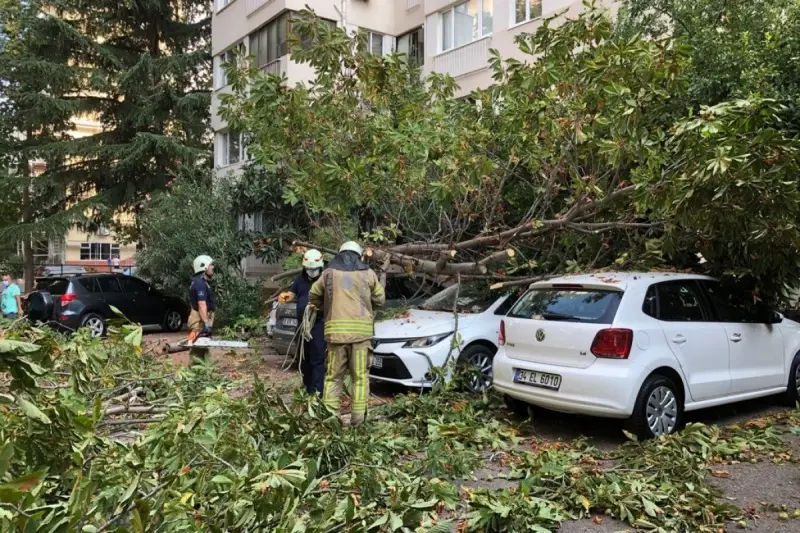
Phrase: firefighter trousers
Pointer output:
(343, 359)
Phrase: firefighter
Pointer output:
(203, 301)
(348, 290)
(312, 366)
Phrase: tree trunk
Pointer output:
(28, 267)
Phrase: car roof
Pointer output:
(617, 280)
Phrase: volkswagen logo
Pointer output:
(540, 335)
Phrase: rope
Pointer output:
(304, 331)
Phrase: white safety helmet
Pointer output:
(312, 259)
(201, 263)
(351, 246)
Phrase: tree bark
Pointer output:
(28, 267)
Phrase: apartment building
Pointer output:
(445, 36)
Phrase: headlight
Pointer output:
(425, 342)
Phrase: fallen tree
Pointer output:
(583, 159)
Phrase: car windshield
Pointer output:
(473, 297)
(572, 305)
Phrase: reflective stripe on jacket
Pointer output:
(348, 298)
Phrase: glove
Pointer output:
(206, 331)
(285, 297)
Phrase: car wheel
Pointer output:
(477, 361)
(793, 392)
(658, 410)
(173, 321)
(95, 324)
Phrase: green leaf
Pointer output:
(395, 521)
(131, 489)
(31, 410)
(222, 479)
(6, 454)
(8, 345)
(134, 338)
(25, 483)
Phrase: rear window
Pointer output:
(56, 287)
(568, 305)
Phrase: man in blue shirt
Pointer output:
(11, 301)
(312, 367)
(203, 302)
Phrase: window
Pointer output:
(223, 3)
(220, 78)
(109, 284)
(134, 286)
(465, 23)
(231, 148)
(96, 251)
(375, 43)
(525, 10)
(473, 297)
(503, 308)
(732, 305)
(412, 44)
(680, 302)
(270, 43)
(90, 284)
(568, 305)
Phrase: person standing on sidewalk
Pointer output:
(312, 366)
(203, 302)
(348, 290)
(11, 301)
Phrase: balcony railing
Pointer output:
(411, 4)
(255, 5)
(273, 67)
(464, 59)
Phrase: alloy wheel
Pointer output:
(797, 380)
(95, 325)
(174, 320)
(481, 378)
(662, 411)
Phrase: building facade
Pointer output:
(444, 36)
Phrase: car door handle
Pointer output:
(679, 339)
(736, 337)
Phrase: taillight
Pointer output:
(67, 298)
(501, 339)
(613, 343)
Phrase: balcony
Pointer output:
(464, 59)
(277, 66)
(251, 6)
(411, 4)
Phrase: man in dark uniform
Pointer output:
(312, 367)
(203, 302)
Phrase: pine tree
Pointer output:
(140, 67)
(148, 84)
(36, 74)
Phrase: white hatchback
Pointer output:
(643, 347)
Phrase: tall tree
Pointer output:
(37, 78)
(145, 76)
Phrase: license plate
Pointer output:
(290, 322)
(538, 379)
(377, 361)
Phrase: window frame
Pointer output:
(222, 4)
(225, 149)
(262, 35)
(88, 248)
(705, 307)
(441, 45)
(220, 60)
(418, 58)
(528, 18)
(371, 36)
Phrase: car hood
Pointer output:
(417, 324)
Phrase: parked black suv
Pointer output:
(86, 301)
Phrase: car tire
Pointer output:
(658, 410)
(173, 321)
(792, 396)
(95, 324)
(518, 407)
(479, 356)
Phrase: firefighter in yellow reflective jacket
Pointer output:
(347, 291)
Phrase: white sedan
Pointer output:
(643, 347)
(407, 349)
